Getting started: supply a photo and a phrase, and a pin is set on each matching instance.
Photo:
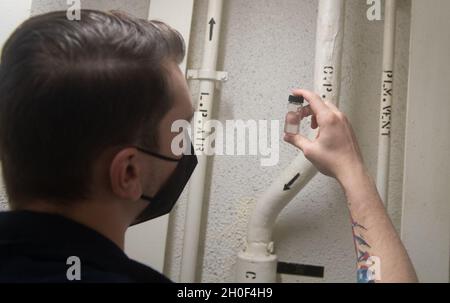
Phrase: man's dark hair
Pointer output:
(71, 89)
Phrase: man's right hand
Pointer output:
(335, 151)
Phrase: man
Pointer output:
(86, 109)
(85, 115)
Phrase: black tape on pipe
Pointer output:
(300, 269)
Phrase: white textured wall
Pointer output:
(13, 13)
(268, 48)
(427, 172)
(138, 8)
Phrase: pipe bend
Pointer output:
(329, 42)
(276, 197)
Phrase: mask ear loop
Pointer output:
(156, 155)
(147, 198)
(148, 152)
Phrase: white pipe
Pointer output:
(387, 87)
(146, 242)
(195, 202)
(258, 262)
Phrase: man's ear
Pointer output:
(125, 175)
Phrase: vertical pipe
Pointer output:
(146, 242)
(329, 40)
(205, 100)
(257, 263)
(387, 87)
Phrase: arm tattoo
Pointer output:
(354, 224)
(360, 241)
(364, 273)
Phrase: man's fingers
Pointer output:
(306, 112)
(314, 124)
(298, 141)
(316, 106)
(331, 106)
(315, 102)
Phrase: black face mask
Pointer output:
(166, 198)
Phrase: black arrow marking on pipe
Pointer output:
(212, 22)
(288, 186)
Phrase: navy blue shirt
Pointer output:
(35, 247)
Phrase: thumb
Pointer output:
(298, 141)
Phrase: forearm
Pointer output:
(335, 153)
(376, 239)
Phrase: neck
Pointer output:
(101, 217)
